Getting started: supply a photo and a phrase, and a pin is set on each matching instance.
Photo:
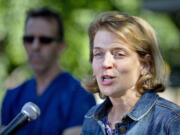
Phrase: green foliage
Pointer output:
(168, 35)
(77, 16)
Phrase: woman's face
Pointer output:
(116, 66)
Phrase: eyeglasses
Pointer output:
(42, 39)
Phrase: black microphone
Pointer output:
(29, 112)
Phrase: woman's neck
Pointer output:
(122, 106)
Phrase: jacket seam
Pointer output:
(155, 101)
(169, 122)
(172, 109)
(88, 116)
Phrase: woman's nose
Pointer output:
(108, 60)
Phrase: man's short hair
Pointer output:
(47, 14)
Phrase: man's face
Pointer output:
(40, 43)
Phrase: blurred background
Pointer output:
(163, 15)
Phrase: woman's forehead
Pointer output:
(107, 39)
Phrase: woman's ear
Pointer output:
(146, 64)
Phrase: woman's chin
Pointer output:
(108, 93)
(112, 93)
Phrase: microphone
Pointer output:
(29, 112)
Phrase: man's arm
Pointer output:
(73, 131)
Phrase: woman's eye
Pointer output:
(98, 54)
(118, 54)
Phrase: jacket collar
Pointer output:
(143, 106)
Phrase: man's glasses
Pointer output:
(42, 39)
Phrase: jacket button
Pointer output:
(122, 129)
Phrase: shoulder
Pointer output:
(167, 106)
(72, 85)
(90, 124)
(68, 78)
(170, 113)
(9, 104)
(69, 87)
(12, 94)
(98, 110)
(91, 114)
(66, 81)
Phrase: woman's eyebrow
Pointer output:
(119, 48)
(97, 48)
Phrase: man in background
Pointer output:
(61, 99)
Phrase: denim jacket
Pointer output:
(152, 115)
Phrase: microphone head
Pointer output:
(31, 110)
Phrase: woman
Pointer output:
(128, 70)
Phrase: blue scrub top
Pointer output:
(63, 105)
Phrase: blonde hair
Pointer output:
(141, 37)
